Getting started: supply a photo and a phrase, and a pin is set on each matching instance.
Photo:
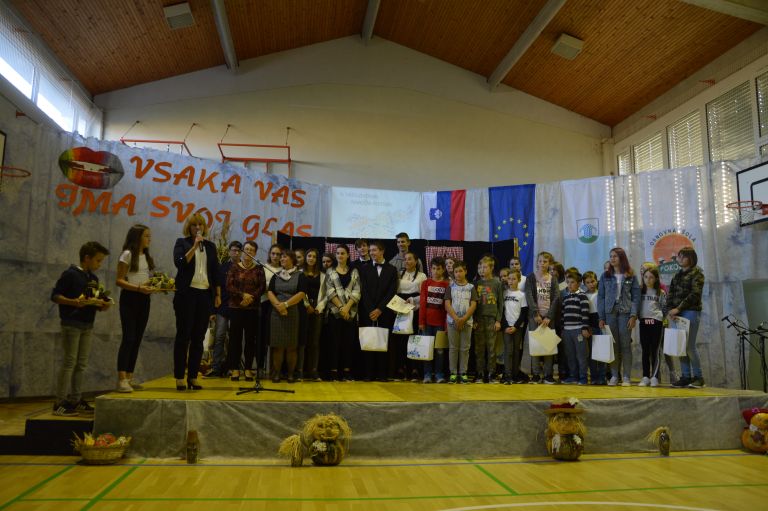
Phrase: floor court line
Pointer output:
(34, 488)
(95, 500)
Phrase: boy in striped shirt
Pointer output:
(575, 329)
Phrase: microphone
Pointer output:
(200, 246)
(726, 317)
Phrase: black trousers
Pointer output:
(650, 339)
(344, 346)
(193, 308)
(243, 330)
(134, 315)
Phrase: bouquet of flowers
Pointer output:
(162, 282)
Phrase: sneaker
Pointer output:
(211, 373)
(427, 379)
(441, 380)
(84, 408)
(613, 381)
(654, 382)
(480, 379)
(464, 378)
(683, 382)
(583, 381)
(506, 381)
(136, 385)
(64, 409)
(625, 382)
(452, 379)
(696, 383)
(549, 380)
(571, 381)
(535, 379)
(487, 379)
(644, 382)
(124, 386)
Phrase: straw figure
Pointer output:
(661, 438)
(755, 435)
(324, 438)
(565, 429)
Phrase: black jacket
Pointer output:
(376, 292)
(187, 268)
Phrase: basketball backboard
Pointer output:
(752, 185)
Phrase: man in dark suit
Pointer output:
(379, 282)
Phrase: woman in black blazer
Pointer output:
(197, 293)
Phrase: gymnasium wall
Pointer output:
(378, 116)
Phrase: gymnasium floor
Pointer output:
(722, 480)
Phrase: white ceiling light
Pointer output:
(179, 15)
(567, 46)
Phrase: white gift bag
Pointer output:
(373, 338)
(542, 342)
(403, 323)
(420, 347)
(602, 347)
(675, 340)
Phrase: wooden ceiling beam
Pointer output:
(370, 20)
(225, 34)
(538, 24)
(750, 10)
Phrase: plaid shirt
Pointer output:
(685, 290)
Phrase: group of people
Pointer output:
(297, 315)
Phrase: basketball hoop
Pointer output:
(748, 209)
(11, 179)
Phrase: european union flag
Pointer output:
(512, 214)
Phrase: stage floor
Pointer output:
(221, 389)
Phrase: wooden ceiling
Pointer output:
(634, 51)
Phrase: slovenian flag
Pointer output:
(458, 215)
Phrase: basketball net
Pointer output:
(11, 179)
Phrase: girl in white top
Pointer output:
(409, 289)
(133, 271)
(652, 300)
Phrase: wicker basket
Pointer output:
(93, 455)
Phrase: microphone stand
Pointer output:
(257, 386)
(744, 334)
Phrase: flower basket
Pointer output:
(93, 455)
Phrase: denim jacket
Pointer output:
(629, 299)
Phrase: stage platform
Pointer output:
(403, 419)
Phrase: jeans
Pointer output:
(622, 339)
(437, 364)
(77, 346)
(576, 349)
(690, 366)
(458, 348)
(513, 352)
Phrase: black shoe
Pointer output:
(84, 408)
(683, 382)
(64, 409)
(193, 386)
(535, 379)
(549, 380)
(696, 383)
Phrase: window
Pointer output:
(647, 154)
(624, 163)
(25, 64)
(762, 102)
(684, 142)
(729, 125)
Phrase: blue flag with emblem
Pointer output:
(512, 214)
